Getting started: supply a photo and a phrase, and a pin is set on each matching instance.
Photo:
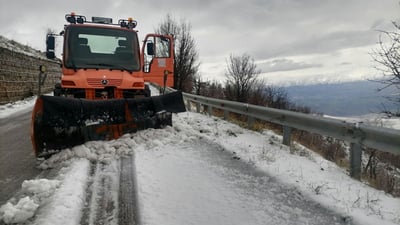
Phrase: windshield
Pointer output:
(101, 48)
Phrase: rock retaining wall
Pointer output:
(19, 74)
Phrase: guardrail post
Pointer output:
(209, 110)
(198, 106)
(226, 114)
(287, 133)
(250, 121)
(188, 105)
(355, 160)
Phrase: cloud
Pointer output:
(266, 30)
(284, 65)
(313, 42)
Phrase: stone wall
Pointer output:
(19, 74)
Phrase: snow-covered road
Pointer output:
(198, 182)
(203, 170)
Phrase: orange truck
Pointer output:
(104, 89)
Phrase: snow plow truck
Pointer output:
(104, 91)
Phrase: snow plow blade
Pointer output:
(59, 123)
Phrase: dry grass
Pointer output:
(382, 171)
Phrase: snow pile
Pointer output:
(25, 208)
(101, 151)
(68, 200)
(40, 188)
(18, 213)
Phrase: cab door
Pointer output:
(158, 59)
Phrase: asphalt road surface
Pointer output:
(17, 161)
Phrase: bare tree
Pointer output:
(213, 89)
(242, 74)
(198, 84)
(276, 97)
(387, 56)
(257, 95)
(186, 55)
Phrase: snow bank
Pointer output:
(68, 200)
(16, 107)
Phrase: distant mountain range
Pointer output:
(344, 99)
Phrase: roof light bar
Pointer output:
(129, 23)
(72, 18)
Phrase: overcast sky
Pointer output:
(292, 41)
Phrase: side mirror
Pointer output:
(50, 46)
(150, 48)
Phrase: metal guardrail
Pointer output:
(357, 134)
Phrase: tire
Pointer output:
(57, 90)
(147, 91)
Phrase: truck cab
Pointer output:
(102, 60)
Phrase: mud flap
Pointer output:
(59, 123)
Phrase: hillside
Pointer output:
(343, 99)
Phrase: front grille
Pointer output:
(96, 82)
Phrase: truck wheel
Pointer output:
(147, 91)
(57, 90)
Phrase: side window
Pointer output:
(148, 54)
(156, 49)
(162, 47)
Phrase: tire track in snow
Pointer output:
(101, 205)
(128, 199)
(111, 193)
